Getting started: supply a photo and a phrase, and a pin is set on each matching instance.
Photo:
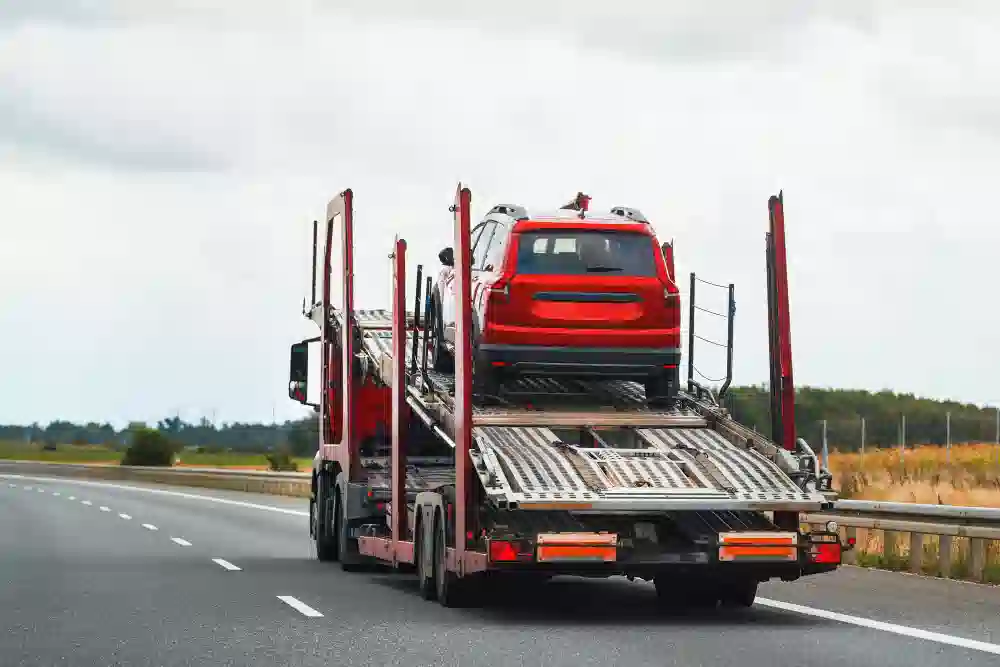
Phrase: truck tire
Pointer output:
(350, 560)
(448, 587)
(424, 545)
(325, 537)
(739, 594)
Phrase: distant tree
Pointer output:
(149, 448)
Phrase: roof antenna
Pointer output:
(580, 203)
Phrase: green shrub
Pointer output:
(149, 448)
(281, 461)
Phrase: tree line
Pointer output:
(843, 410)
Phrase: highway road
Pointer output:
(100, 573)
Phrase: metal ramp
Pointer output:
(638, 458)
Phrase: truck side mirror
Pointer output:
(298, 372)
(447, 256)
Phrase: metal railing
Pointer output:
(945, 524)
(948, 526)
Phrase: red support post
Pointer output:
(399, 414)
(784, 330)
(342, 206)
(463, 368)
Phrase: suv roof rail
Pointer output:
(513, 210)
(630, 213)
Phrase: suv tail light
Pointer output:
(500, 291)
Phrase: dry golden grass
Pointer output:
(924, 474)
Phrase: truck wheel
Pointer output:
(739, 594)
(323, 533)
(349, 561)
(447, 585)
(424, 545)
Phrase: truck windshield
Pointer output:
(579, 252)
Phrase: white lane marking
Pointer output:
(177, 494)
(149, 526)
(105, 508)
(125, 516)
(55, 493)
(72, 498)
(181, 541)
(86, 502)
(13, 486)
(28, 488)
(883, 626)
(41, 490)
(299, 606)
(226, 564)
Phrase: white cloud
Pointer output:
(166, 164)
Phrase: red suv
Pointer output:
(568, 294)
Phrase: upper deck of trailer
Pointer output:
(594, 445)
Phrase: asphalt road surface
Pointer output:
(99, 573)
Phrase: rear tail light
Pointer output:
(500, 291)
(508, 551)
(825, 552)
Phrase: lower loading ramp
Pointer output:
(676, 468)
(582, 446)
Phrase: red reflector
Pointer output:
(825, 552)
(670, 365)
(502, 551)
(852, 541)
(468, 535)
(499, 363)
(379, 506)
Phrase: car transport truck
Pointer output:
(419, 470)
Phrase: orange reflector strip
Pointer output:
(599, 539)
(759, 538)
(560, 552)
(732, 553)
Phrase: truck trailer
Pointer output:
(555, 476)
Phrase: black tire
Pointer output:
(739, 594)
(350, 561)
(448, 587)
(441, 359)
(424, 547)
(661, 390)
(325, 537)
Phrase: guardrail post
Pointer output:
(851, 557)
(888, 546)
(977, 558)
(916, 552)
(944, 555)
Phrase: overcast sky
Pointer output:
(162, 162)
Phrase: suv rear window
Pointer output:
(579, 252)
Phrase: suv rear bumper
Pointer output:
(625, 363)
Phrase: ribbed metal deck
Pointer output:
(636, 459)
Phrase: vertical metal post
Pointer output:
(862, 442)
(998, 435)
(399, 408)
(782, 317)
(416, 322)
(947, 437)
(312, 298)
(342, 206)
(463, 370)
(729, 342)
(826, 449)
(427, 333)
(691, 334)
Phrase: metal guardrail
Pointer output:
(948, 523)
(254, 481)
